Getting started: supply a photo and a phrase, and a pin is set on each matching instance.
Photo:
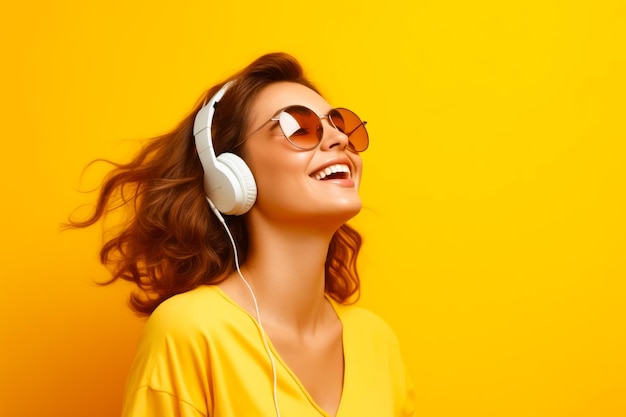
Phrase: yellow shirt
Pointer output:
(201, 354)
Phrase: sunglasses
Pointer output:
(303, 127)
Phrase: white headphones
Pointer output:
(228, 181)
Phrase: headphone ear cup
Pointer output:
(241, 181)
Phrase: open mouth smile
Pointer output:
(336, 171)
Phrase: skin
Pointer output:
(290, 227)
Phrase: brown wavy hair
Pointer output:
(172, 242)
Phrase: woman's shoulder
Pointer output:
(201, 309)
(365, 323)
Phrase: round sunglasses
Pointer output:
(303, 127)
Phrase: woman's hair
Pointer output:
(172, 242)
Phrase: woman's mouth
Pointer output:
(336, 171)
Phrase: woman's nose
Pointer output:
(333, 137)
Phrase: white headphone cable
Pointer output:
(256, 304)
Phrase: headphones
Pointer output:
(228, 182)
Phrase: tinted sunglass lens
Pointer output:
(301, 126)
(349, 123)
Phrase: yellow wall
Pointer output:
(495, 184)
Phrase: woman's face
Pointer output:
(289, 185)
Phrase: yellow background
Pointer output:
(495, 218)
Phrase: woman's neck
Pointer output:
(285, 270)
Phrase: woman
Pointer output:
(248, 269)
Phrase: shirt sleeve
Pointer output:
(170, 373)
(149, 402)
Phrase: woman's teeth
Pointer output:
(333, 169)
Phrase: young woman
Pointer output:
(248, 269)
